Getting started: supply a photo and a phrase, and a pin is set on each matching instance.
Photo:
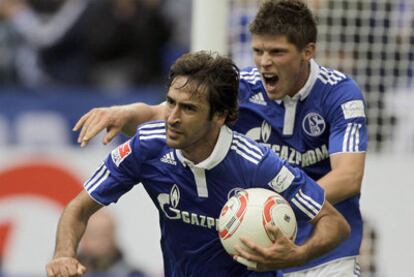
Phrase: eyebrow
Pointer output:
(183, 104)
(271, 49)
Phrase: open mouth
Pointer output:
(270, 79)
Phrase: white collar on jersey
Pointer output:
(219, 152)
(306, 89)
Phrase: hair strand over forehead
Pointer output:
(215, 74)
(290, 18)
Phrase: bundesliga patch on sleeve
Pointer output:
(120, 153)
(282, 180)
(353, 109)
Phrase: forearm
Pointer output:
(69, 233)
(139, 113)
(340, 185)
(345, 178)
(72, 224)
(329, 231)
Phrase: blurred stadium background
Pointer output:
(41, 166)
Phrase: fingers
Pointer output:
(91, 127)
(250, 265)
(97, 120)
(81, 269)
(81, 121)
(263, 257)
(276, 255)
(250, 260)
(273, 232)
(50, 272)
(252, 249)
(83, 124)
(243, 256)
(249, 252)
(91, 124)
(112, 132)
(65, 267)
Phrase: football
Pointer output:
(247, 212)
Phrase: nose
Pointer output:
(265, 60)
(173, 117)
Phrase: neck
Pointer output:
(202, 150)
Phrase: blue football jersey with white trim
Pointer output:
(190, 196)
(326, 117)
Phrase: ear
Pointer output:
(309, 51)
(220, 118)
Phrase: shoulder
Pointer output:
(255, 162)
(247, 149)
(153, 131)
(331, 77)
(150, 137)
(250, 85)
(339, 90)
(250, 75)
(147, 143)
(338, 84)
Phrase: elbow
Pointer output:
(355, 182)
(345, 229)
(356, 176)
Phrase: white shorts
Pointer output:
(347, 267)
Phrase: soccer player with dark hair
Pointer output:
(189, 164)
(311, 116)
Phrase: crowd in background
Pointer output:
(373, 41)
(104, 43)
(100, 252)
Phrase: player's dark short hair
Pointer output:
(290, 18)
(218, 75)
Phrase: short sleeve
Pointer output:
(346, 115)
(118, 173)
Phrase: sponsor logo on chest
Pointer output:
(169, 206)
(309, 157)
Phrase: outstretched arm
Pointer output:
(115, 119)
(72, 225)
(330, 229)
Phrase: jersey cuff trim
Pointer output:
(341, 152)
(94, 199)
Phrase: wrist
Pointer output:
(303, 254)
(64, 254)
(128, 115)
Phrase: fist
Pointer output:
(65, 267)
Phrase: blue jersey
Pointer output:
(190, 196)
(326, 117)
